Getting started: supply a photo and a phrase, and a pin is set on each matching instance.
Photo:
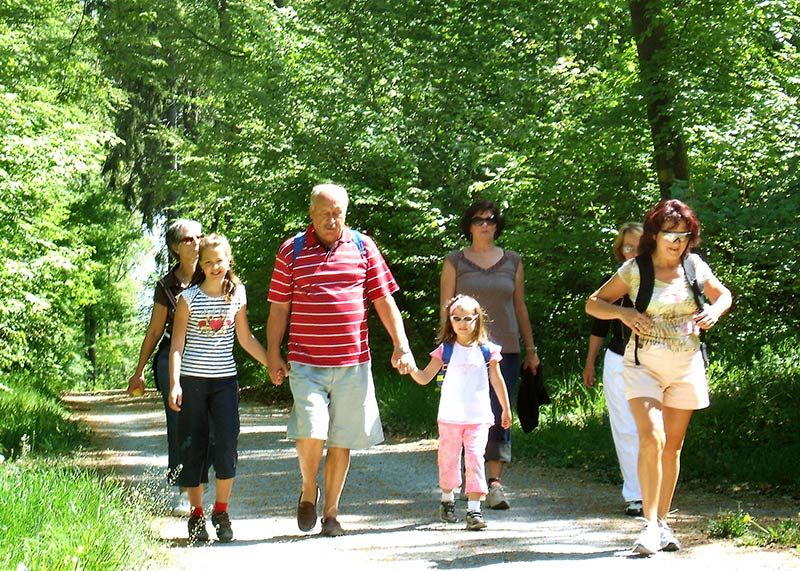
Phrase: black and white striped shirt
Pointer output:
(209, 334)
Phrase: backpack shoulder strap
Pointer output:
(358, 240)
(487, 352)
(298, 244)
(690, 271)
(647, 280)
(447, 352)
(173, 302)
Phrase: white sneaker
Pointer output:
(668, 540)
(180, 503)
(496, 499)
(649, 540)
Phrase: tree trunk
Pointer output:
(90, 338)
(671, 160)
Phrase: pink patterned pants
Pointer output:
(473, 438)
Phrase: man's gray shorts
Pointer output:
(336, 404)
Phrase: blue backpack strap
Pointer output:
(299, 243)
(359, 242)
(487, 352)
(447, 354)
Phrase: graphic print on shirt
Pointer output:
(216, 325)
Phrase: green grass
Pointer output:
(744, 530)
(37, 423)
(60, 517)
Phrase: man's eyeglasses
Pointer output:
(465, 319)
(190, 239)
(676, 236)
(483, 221)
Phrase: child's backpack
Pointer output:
(647, 278)
(447, 354)
(300, 243)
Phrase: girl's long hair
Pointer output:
(230, 281)
(480, 334)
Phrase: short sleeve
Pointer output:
(438, 352)
(702, 270)
(160, 296)
(241, 296)
(495, 352)
(628, 271)
(380, 281)
(280, 287)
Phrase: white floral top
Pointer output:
(671, 307)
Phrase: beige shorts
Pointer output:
(675, 379)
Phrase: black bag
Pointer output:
(531, 395)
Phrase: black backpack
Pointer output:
(647, 280)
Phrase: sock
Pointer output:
(197, 511)
(220, 507)
(448, 496)
(473, 505)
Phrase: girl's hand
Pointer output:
(707, 318)
(505, 419)
(637, 322)
(176, 398)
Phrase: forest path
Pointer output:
(558, 520)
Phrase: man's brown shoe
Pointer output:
(331, 527)
(307, 513)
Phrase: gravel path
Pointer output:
(558, 519)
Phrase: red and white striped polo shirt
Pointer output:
(328, 290)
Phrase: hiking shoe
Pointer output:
(447, 512)
(197, 529)
(331, 527)
(668, 540)
(634, 508)
(496, 499)
(222, 525)
(649, 540)
(475, 521)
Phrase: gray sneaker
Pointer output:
(475, 521)
(496, 498)
(668, 540)
(447, 512)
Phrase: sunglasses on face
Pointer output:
(483, 221)
(676, 236)
(465, 319)
(190, 239)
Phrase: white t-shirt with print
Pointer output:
(672, 307)
(465, 390)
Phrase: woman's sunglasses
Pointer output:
(465, 319)
(676, 236)
(483, 221)
(190, 239)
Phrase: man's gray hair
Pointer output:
(334, 189)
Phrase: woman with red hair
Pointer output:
(664, 366)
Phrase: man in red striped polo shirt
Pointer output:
(320, 287)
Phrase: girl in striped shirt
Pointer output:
(203, 382)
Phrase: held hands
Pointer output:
(278, 369)
(403, 361)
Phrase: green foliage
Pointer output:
(65, 518)
(745, 530)
(36, 423)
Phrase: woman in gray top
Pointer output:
(495, 277)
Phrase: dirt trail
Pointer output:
(558, 520)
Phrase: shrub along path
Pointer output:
(558, 519)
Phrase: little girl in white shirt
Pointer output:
(465, 411)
